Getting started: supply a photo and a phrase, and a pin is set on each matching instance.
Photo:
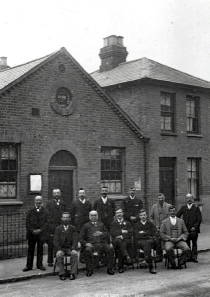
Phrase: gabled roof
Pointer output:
(146, 68)
(12, 76)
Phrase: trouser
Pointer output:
(123, 248)
(146, 246)
(50, 256)
(73, 261)
(32, 241)
(158, 246)
(169, 248)
(192, 243)
(100, 248)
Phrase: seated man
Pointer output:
(174, 234)
(65, 243)
(121, 232)
(144, 233)
(94, 239)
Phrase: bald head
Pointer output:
(93, 216)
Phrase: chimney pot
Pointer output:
(3, 63)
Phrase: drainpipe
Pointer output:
(145, 142)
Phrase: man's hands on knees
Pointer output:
(88, 245)
(74, 252)
(60, 254)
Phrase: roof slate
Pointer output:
(146, 68)
(10, 75)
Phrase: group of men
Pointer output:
(102, 230)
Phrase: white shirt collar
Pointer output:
(143, 223)
(173, 220)
(132, 197)
(189, 205)
(83, 201)
(104, 200)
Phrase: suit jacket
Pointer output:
(61, 234)
(37, 220)
(149, 231)
(131, 207)
(86, 234)
(192, 217)
(165, 229)
(157, 217)
(116, 229)
(106, 211)
(55, 213)
(80, 213)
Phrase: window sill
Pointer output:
(117, 196)
(10, 202)
(165, 133)
(195, 135)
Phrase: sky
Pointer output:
(172, 32)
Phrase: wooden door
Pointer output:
(167, 178)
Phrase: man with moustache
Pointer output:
(192, 217)
(80, 210)
(56, 207)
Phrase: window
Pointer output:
(192, 105)
(167, 111)
(193, 177)
(8, 170)
(112, 169)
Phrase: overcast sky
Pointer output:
(173, 32)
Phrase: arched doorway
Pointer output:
(62, 173)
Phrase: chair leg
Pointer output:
(54, 266)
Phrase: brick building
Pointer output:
(60, 129)
(172, 109)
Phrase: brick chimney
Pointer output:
(113, 53)
(3, 63)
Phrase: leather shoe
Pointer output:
(110, 271)
(62, 277)
(41, 268)
(194, 260)
(128, 260)
(179, 267)
(152, 270)
(89, 273)
(72, 276)
(26, 269)
(121, 270)
(50, 264)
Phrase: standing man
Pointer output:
(131, 206)
(174, 234)
(94, 239)
(55, 207)
(121, 232)
(144, 233)
(65, 243)
(192, 217)
(159, 212)
(80, 210)
(37, 221)
(105, 208)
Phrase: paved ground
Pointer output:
(11, 269)
(194, 281)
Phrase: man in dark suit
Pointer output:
(94, 239)
(105, 208)
(55, 207)
(174, 234)
(131, 206)
(66, 243)
(121, 232)
(80, 211)
(192, 217)
(144, 237)
(37, 221)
